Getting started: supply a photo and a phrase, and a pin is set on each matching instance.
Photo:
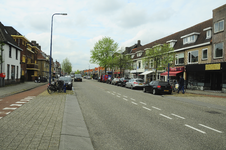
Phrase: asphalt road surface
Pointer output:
(118, 118)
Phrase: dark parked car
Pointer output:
(122, 81)
(68, 81)
(78, 77)
(115, 81)
(158, 87)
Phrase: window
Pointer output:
(204, 54)
(10, 51)
(208, 34)
(190, 39)
(219, 26)
(218, 50)
(193, 57)
(179, 59)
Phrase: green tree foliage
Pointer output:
(103, 51)
(1, 49)
(161, 55)
(66, 66)
(122, 61)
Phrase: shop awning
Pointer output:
(146, 72)
(171, 73)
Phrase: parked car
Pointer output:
(68, 81)
(122, 81)
(109, 80)
(115, 81)
(78, 77)
(158, 87)
(135, 83)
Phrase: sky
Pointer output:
(87, 21)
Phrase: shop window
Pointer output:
(204, 54)
(219, 26)
(193, 57)
(179, 59)
(218, 50)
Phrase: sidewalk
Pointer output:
(17, 88)
(45, 122)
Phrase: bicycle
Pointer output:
(55, 87)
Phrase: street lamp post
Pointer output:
(51, 44)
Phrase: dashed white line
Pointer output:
(9, 108)
(143, 103)
(178, 116)
(211, 128)
(146, 108)
(21, 102)
(165, 116)
(132, 99)
(125, 99)
(134, 103)
(195, 129)
(16, 105)
(156, 108)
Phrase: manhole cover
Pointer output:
(213, 112)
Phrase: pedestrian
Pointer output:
(181, 84)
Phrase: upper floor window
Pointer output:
(218, 50)
(179, 59)
(190, 38)
(204, 54)
(193, 57)
(219, 26)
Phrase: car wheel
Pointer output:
(154, 92)
(144, 90)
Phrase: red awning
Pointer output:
(171, 73)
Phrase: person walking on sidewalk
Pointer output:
(181, 84)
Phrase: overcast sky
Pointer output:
(87, 21)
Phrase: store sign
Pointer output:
(212, 66)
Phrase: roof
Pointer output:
(177, 36)
(5, 36)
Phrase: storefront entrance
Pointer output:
(216, 80)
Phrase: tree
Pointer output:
(161, 54)
(122, 61)
(66, 66)
(103, 51)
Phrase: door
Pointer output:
(216, 80)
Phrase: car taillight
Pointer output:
(135, 83)
(159, 86)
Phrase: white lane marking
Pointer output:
(146, 108)
(118, 93)
(20, 102)
(132, 99)
(125, 99)
(8, 113)
(125, 96)
(156, 108)
(8, 108)
(211, 128)
(118, 96)
(134, 103)
(195, 129)
(143, 103)
(16, 105)
(178, 116)
(165, 116)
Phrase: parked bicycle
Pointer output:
(55, 86)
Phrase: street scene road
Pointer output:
(121, 118)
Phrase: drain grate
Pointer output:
(213, 112)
